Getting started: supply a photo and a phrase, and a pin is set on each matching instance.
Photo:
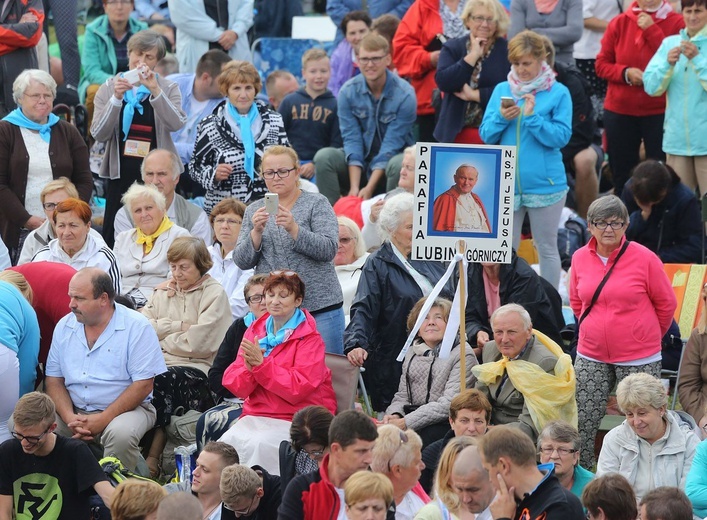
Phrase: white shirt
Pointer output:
(469, 216)
(40, 171)
(409, 507)
(232, 278)
(589, 44)
(342, 505)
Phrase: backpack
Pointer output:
(570, 238)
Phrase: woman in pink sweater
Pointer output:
(620, 333)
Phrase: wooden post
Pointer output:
(462, 318)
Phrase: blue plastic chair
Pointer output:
(270, 54)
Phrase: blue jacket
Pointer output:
(685, 127)
(360, 114)
(453, 73)
(539, 168)
(19, 331)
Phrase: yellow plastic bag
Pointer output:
(547, 396)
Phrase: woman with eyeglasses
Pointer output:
(36, 147)
(620, 324)
(216, 421)
(349, 260)
(190, 314)
(230, 142)
(469, 68)
(397, 454)
(226, 219)
(279, 369)
(654, 446)
(558, 444)
(303, 236)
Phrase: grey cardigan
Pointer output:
(563, 25)
(310, 256)
(169, 117)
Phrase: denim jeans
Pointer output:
(330, 325)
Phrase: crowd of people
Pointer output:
(256, 239)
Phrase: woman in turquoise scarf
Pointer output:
(35, 148)
(230, 142)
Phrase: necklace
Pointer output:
(207, 515)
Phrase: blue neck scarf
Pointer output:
(132, 102)
(273, 339)
(17, 117)
(248, 319)
(244, 124)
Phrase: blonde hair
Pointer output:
(238, 481)
(135, 499)
(315, 54)
(524, 43)
(279, 149)
(640, 391)
(366, 485)
(34, 408)
(353, 228)
(442, 481)
(373, 42)
(500, 15)
(392, 449)
(62, 183)
(238, 72)
(19, 281)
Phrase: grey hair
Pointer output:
(560, 431)
(390, 450)
(145, 41)
(640, 391)
(25, 77)
(410, 150)
(513, 307)
(175, 163)
(353, 228)
(390, 217)
(464, 166)
(139, 191)
(604, 208)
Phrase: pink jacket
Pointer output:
(293, 376)
(635, 307)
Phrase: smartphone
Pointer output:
(507, 102)
(134, 76)
(272, 201)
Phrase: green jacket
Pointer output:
(98, 56)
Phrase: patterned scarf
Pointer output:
(661, 13)
(452, 24)
(132, 100)
(273, 339)
(474, 112)
(149, 240)
(542, 81)
(18, 118)
(245, 122)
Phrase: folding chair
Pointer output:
(271, 54)
(345, 378)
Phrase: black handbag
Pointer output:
(573, 343)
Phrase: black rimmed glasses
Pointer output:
(255, 298)
(375, 60)
(602, 224)
(562, 452)
(283, 173)
(32, 440)
(242, 512)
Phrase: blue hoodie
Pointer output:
(19, 331)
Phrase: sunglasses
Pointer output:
(403, 440)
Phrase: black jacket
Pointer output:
(226, 355)
(272, 496)
(521, 285)
(550, 501)
(673, 229)
(430, 456)
(386, 293)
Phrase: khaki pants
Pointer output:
(121, 437)
(692, 170)
(91, 91)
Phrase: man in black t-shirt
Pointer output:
(44, 476)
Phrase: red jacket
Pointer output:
(634, 309)
(293, 376)
(626, 45)
(420, 25)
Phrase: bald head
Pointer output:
(470, 481)
(468, 462)
(180, 506)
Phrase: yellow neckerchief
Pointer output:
(149, 240)
(548, 396)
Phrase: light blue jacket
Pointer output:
(360, 114)
(696, 483)
(685, 85)
(19, 331)
(539, 167)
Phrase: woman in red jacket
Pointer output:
(631, 115)
(279, 370)
(417, 44)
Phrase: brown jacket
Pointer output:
(69, 158)
(692, 389)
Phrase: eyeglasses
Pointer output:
(32, 440)
(283, 173)
(481, 19)
(256, 298)
(602, 224)
(283, 273)
(562, 452)
(314, 454)
(346, 240)
(403, 440)
(375, 60)
(50, 206)
(229, 221)
(242, 512)
(37, 97)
